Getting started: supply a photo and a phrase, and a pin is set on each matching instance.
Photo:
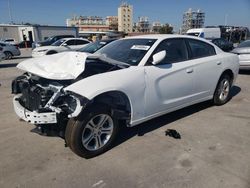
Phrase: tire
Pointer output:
(93, 132)
(51, 52)
(68, 131)
(222, 91)
(8, 55)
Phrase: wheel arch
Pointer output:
(7, 51)
(225, 72)
(118, 101)
(230, 73)
(51, 52)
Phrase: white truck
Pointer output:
(207, 33)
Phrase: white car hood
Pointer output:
(37, 49)
(61, 66)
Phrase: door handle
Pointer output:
(190, 70)
(219, 63)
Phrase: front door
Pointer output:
(170, 84)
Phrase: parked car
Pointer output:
(65, 44)
(10, 41)
(50, 40)
(223, 44)
(129, 81)
(93, 47)
(9, 50)
(243, 51)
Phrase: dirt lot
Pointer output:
(214, 149)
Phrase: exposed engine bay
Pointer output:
(40, 100)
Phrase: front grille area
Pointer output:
(35, 98)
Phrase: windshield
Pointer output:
(129, 51)
(244, 44)
(93, 47)
(58, 42)
(48, 39)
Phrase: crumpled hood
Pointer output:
(245, 50)
(61, 66)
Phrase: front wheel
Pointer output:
(222, 92)
(8, 55)
(93, 133)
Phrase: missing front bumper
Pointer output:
(34, 117)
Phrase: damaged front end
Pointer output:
(41, 101)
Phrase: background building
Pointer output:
(125, 18)
(34, 32)
(193, 19)
(112, 22)
(156, 26)
(143, 25)
(88, 23)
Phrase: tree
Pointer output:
(166, 29)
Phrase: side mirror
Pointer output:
(158, 57)
(64, 44)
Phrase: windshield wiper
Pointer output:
(104, 58)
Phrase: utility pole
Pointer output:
(226, 16)
(11, 21)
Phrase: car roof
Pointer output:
(106, 40)
(73, 38)
(166, 36)
(162, 37)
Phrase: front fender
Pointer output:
(130, 81)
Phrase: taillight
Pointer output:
(16, 45)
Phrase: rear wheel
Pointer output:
(92, 133)
(8, 55)
(222, 92)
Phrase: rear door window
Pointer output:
(71, 42)
(81, 42)
(200, 49)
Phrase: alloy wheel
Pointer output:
(224, 89)
(97, 132)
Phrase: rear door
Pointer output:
(207, 67)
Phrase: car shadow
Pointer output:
(244, 71)
(8, 65)
(127, 133)
(156, 123)
(21, 57)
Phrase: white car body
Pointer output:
(10, 50)
(151, 90)
(244, 54)
(45, 50)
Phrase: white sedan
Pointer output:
(243, 51)
(131, 80)
(62, 45)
